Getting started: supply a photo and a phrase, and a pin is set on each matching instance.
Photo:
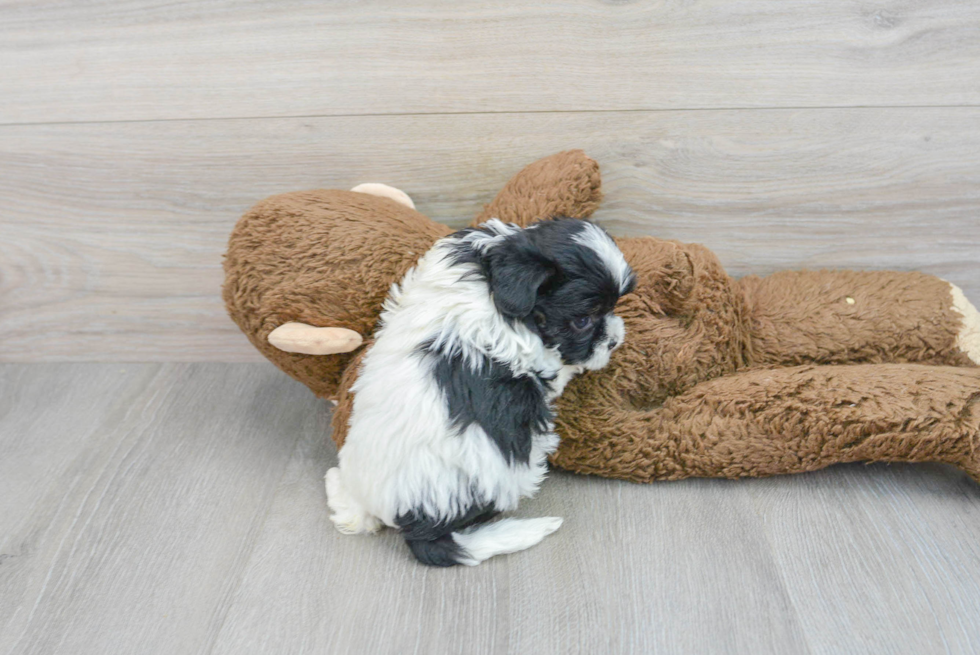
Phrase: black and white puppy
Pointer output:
(451, 422)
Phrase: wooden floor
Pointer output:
(161, 486)
(179, 508)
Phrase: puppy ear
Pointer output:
(518, 269)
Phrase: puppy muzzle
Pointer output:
(615, 334)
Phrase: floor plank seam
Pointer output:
(515, 112)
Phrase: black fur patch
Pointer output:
(438, 552)
(510, 409)
(431, 541)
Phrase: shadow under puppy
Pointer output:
(451, 421)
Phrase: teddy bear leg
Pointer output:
(968, 338)
(840, 317)
(790, 420)
(385, 191)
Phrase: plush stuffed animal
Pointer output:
(717, 378)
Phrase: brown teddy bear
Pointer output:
(717, 378)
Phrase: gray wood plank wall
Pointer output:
(132, 136)
(143, 60)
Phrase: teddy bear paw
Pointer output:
(968, 339)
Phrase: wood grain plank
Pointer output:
(879, 559)
(132, 496)
(678, 568)
(140, 59)
(113, 233)
(180, 508)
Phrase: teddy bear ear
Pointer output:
(311, 340)
(385, 191)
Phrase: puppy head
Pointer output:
(562, 278)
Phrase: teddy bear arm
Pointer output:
(836, 317)
(565, 184)
(776, 421)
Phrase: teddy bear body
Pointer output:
(762, 376)
(717, 377)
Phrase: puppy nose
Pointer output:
(613, 344)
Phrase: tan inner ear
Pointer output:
(385, 191)
(310, 340)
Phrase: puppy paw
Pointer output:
(565, 375)
(968, 339)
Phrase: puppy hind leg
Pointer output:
(347, 514)
(442, 551)
(431, 540)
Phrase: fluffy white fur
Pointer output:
(503, 537)
(402, 452)
(595, 237)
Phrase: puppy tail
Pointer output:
(474, 545)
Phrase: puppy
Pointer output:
(451, 422)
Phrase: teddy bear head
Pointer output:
(327, 258)
(321, 258)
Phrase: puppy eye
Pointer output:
(583, 322)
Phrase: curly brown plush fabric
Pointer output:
(566, 184)
(717, 377)
(765, 421)
(324, 258)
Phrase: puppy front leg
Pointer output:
(565, 375)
